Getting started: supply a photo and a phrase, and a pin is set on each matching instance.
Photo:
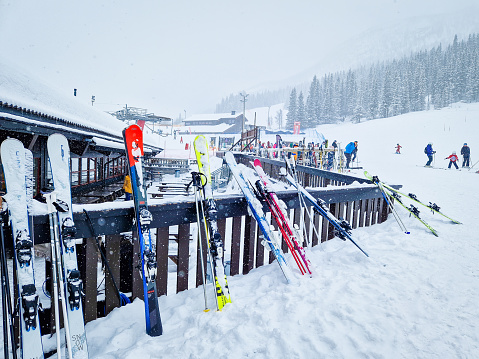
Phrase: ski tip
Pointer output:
(257, 162)
(407, 232)
(206, 310)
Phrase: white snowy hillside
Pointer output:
(387, 42)
(415, 297)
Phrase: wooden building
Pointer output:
(31, 111)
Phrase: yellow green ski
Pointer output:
(209, 216)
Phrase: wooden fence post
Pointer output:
(183, 257)
(162, 241)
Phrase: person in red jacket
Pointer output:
(398, 149)
(452, 160)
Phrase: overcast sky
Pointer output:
(176, 55)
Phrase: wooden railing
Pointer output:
(176, 247)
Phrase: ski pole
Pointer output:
(124, 300)
(209, 252)
(57, 259)
(470, 168)
(197, 182)
(62, 284)
(6, 298)
(56, 302)
(391, 207)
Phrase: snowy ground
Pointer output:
(415, 297)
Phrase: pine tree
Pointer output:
(292, 115)
(301, 111)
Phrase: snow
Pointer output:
(414, 297)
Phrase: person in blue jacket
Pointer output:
(351, 147)
(429, 152)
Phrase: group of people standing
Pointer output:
(453, 158)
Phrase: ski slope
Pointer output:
(415, 297)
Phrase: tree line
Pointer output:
(421, 81)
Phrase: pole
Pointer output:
(6, 299)
(196, 184)
(244, 95)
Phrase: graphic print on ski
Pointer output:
(215, 243)
(288, 232)
(412, 210)
(133, 137)
(343, 228)
(257, 211)
(13, 162)
(59, 157)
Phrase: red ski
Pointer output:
(133, 136)
(287, 230)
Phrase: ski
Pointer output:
(343, 228)
(412, 210)
(432, 206)
(215, 243)
(13, 162)
(59, 157)
(256, 210)
(278, 211)
(133, 137)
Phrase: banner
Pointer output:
(141, 123)
(296, 128)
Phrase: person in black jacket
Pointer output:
(466, 154)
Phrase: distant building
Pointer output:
(214, 123)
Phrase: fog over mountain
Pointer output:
(384, 43)
(183, 57)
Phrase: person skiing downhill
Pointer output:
(452, 160)
(429, 152)
(398, 149)
(466, 154)
(350, 149)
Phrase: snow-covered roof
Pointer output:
(220, 128)
(28, 93)
(211, 116)
(27, 99)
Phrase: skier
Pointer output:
(398, 149)
(335, 145)
(466, 153)
(127, 188)
(452, 160)
(350, 149)
(429, 152)
(355, 151)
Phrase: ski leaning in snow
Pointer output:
(387, 198)
(290, 234)
(133, 137)
(257, 211)
(13, 162)
(343, 228)
(209, 214)
(59, 156)
(412, 210)
(432, 206)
